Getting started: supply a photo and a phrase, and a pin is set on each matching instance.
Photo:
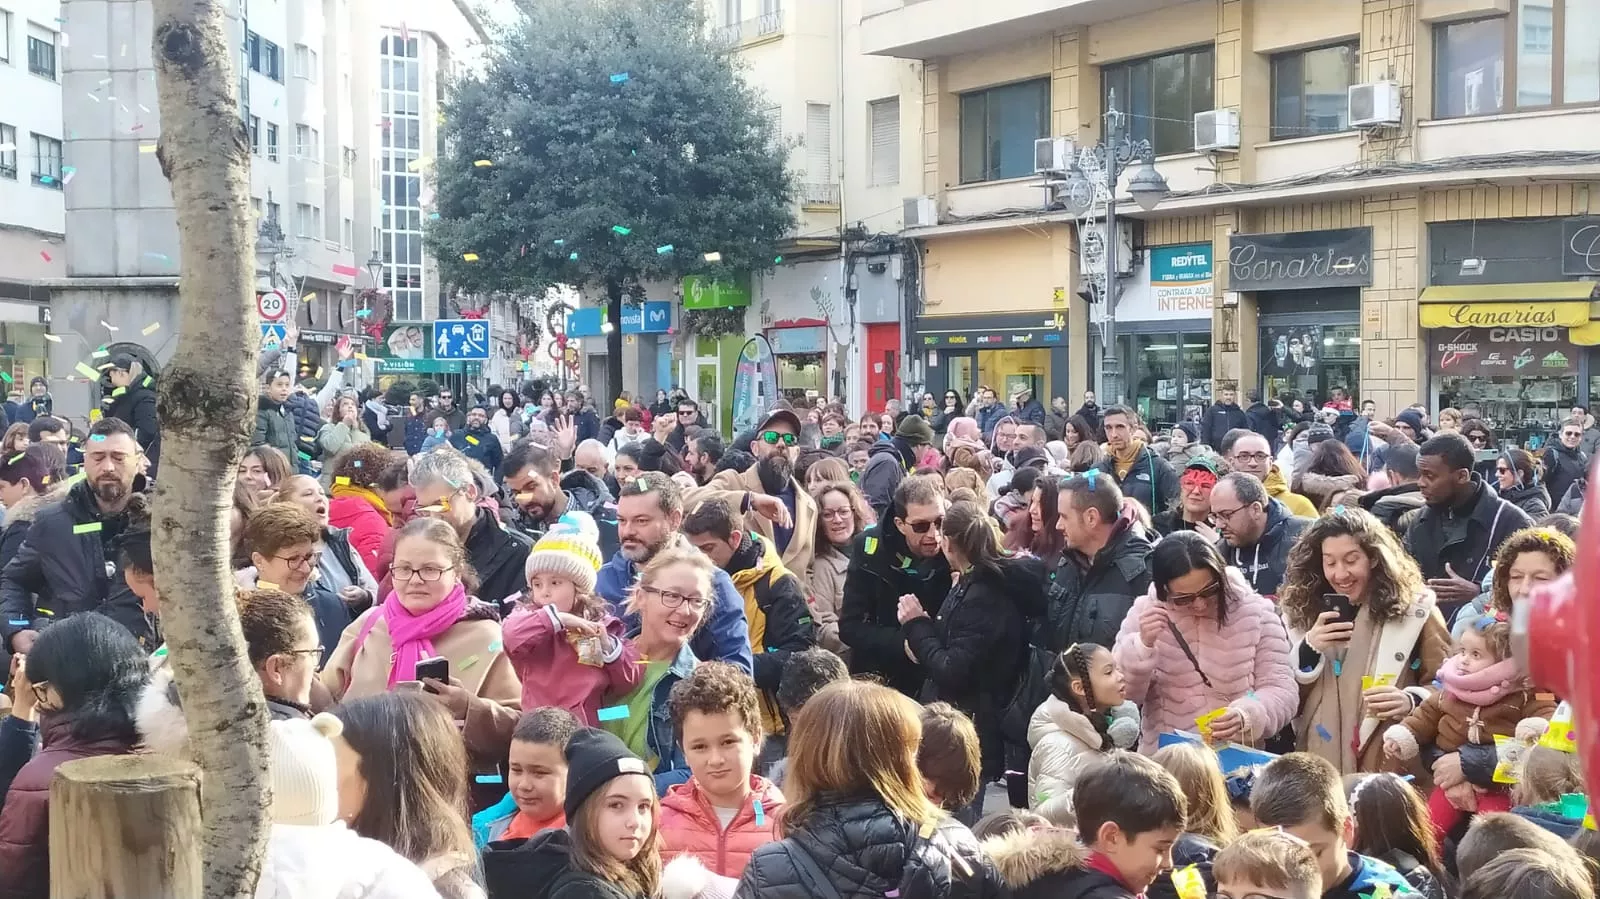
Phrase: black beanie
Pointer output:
(593, 758)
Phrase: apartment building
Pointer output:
(1390, 198)
(32, 212)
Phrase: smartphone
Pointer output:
(437, 668)
(1331, 602)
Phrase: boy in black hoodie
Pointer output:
(1130, 811)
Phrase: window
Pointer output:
(347, 237)
(1469, 68)
(731, 13)
(308, 221)
(255, 208)
(1160, 96)
(255, 135)
(305, 63)
(819, 143)
(884, 166)
(1311, 91)
(349, 168)
(1544, 53)
(42, 52)
(47, 161)
(8, 151)
(265, 56)
(5, 36)
(272, 142)
(998, 128)
(307, 142)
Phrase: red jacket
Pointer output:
(369, 531)
(25, 822)
(690, 825)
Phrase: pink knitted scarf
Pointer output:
(412, 635)
(1483, 687)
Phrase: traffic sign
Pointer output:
(272, 336)
(272, 305)
(461, 339)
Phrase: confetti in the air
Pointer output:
(469, 257)
(713, 257)
(52, 338)
(108, 326)
(573, 256)
(86, 371)
(619, 78)
(664, 249)
(622, 230)
(484, 163)
(151, 328)
(147, 148)
(560, 242)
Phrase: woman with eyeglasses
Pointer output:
(1201, 644)
(81, 682)
(1516, 479)
(671, 600)
(842, 515)
(284, 542)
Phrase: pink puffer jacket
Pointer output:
(1247, 661)
(689, 825)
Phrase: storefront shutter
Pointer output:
(885, 116)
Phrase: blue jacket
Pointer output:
(989, 417)
(725, 637)
(416, 432)
(489, 824)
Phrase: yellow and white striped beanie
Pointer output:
(571, 548)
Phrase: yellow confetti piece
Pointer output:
(362, 356)
(147, 148)
(467, 662)
(52, 338)
(99, 354)
(319, 372)
(342, 481)
(1368, 681)
(119, 391)
(89, 527)
(483, 163)
(151, 328)
(308, 298)
(1189, 883)
(472, 440)
(86, 371)
(267, 585)
(469, 257)
(1203, 723)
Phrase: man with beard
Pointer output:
(1139, 472)
(448, 490)
(649, 513)
(701, 455)
(773, 502)
(477, 441)
(688, 420)
(67, 565)
(542, 494)
(1257, 530)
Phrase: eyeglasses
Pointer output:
(1184, 599)
(921, 527)
(429, 573)
(838, 513)
(1572, 435)
(1253, 458)
(673, 599)
(1501, 469)
(771, 438)
(1478, 438)
(1220, 515)
(685, 411)
(309, 560)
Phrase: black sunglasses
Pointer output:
(921, 527)
(771, 438)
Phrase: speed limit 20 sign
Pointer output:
(272, 305)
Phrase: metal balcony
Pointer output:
(740, 33)
(814, 193)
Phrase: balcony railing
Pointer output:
(739, 33)
(814, 193)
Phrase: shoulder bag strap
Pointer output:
(1188, 653)
(808, 870)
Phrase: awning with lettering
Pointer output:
(1505, 315)
(1534, 292)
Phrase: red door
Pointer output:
(883, 364)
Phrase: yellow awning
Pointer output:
(1505, 315)
(1586, 334)
(1541, 291)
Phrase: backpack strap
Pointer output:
(818, 883)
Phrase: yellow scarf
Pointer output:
(1123, 462)
(363, 493)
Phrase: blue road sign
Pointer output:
(461, 339)
(585, 322)
(272, 336)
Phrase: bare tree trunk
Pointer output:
(207, 412)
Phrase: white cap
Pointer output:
(305, 770)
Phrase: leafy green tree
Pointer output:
(607, 143)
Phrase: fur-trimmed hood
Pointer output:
(1029, 855)
(34, 503)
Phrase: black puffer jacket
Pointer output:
(881, 570)
(865, 850)
(541, 866)
(1151, 480)
(307, 424)
(1391, 504)
(1089, 597)
(1562, 466)
(498, 555)
(1530, 498)
(973, 651)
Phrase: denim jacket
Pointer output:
(671, 768)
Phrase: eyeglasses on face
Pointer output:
(1184, 599)
(308, 560)
(1501, 469)
(921, 527)
(429, 573)
(772, 438)
(1218, 515)
(1253, 458)
(672, 599)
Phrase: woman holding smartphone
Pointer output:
(1368, 637)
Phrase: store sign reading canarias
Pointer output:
(1505, 315)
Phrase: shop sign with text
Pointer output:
(1300, 260)
(1504, 315)
(992, 332)
(1505, 352)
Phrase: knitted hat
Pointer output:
(571, 548)
(1413, 418)
(594, 757)
(914, 431)
(305, 771)
(1318, 433)
(1189, 430)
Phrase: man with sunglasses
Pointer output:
(774, 504)
(1105, 567)
(1564, 459)
(688, 415)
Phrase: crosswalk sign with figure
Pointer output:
(461, 339)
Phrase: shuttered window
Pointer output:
(819, 143)
(885, 127)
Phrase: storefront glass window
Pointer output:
(1008, 371)
(1311, 360)
(801, 372)
(1169, 376)
(1520, 381)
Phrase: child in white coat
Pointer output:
(1087, 713)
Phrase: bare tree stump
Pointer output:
(125, 826)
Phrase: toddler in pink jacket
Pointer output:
(1201, 641)
(567, 651)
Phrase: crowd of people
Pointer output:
(522, 646)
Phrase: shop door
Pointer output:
(706, 378)
(883, 364)
(961, 373)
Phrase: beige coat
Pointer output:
(731, 486)
(826, 595)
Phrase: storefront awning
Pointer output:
(1541, 291)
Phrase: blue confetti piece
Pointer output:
(761, 815)
(619, 78)
(1416, 664)
(613, 713)
(46, 179)
(16, 623)
(433, 216)
(1250, 695)
(664, 249)
(96, 438)
(490, 779)
(573, 256)
(495, 646)
(560, 242)
(1323, 733)
(1338, 667)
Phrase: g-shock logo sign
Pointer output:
(1487, 352)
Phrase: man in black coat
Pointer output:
(1105, 567)
(1461, 527)
(1565, 460)
(68, 563)
(897, 556)
(447, 490)
(1140, 473)
(541, 494)
(1223, 416)
(1265, 419)
(133, 402)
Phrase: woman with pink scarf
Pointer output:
(428, 614)
(964, 446)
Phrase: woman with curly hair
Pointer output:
(1528, 558)
(1360, 673)
(356, 505)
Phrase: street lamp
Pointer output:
(1089, 190)
(375, 267)
(270, 246)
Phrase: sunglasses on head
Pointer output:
(772, 438)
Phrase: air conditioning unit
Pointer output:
(1374, 104)
(1216, 129)
(1053, 154)
(921, 212)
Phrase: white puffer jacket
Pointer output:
(1063, 743)
(332, 862)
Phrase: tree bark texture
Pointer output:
(125, 825)
(613, 349)
(207, 404)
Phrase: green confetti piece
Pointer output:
(468, 662)
(90, 527)
(5, 376)
(777, 260)
(148, 380)
(119, 391)
(99, 354)
(159, 654)
(664, 249)
(619, 229)
(13, 459)
(573, 256)
(86, 371)
(305, 456)
(495, 646)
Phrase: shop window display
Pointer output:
(1311, 360)
(1170, 376)
(1520, 381)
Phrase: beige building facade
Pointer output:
(1388, 198)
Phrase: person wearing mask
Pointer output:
(82, 680)
(132, 401)
(774, 504)
(1257, 531)
(275, 426)
(1564, 459)
(842, 515)
(1223, 416)
(455, 418)
(649, 513)
(1517, 481)
(542, 495)
(1105, 567)
(67, 564)
(1139, 473)
(889, 463)
(1461, 527)
(448, 490)
(1200, 640)
(701, 454)
(1249, 453)
(1193, 509)
(1399, 504)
